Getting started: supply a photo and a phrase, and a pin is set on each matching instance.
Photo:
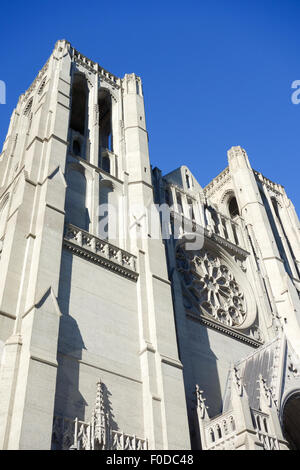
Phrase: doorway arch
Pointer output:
(291, 420)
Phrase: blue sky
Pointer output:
(215, 73)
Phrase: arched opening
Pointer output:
(233, 207)
(105, 123)
(291, 421)
(79, 104)
(188, 181)
(76, 211)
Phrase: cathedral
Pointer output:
(121, 334)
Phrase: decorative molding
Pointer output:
(36, 81)
(278, 189)
(171, 362)
(100, 252)
(231, 247)
(166, 281)
(224, 329)
(217, 183)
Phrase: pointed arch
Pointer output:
(79, 103)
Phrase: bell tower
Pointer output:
(79, 298)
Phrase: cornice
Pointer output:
(73, 242)
(224, 329)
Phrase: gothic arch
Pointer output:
(229, 193)
(79, 103)
(105, 86)
(105, 122)
(230, 203)
(290, 418)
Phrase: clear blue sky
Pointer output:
(216, 73)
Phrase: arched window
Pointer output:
(291, 420)
(233, 207)
(188, 180)
(79, 104)
(105, 123)
(76, 211)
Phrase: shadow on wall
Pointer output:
(108, 408)
(68, 400)
(194, 347)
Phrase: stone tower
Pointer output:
(117, 334)
(76, 306)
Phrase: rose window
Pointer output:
(212, 287)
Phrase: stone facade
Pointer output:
(116, 341)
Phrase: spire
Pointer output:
(100, 420)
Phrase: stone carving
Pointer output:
(97, 434)
(28, 107)
(101, 252)
(201, 402)
(212, 287)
